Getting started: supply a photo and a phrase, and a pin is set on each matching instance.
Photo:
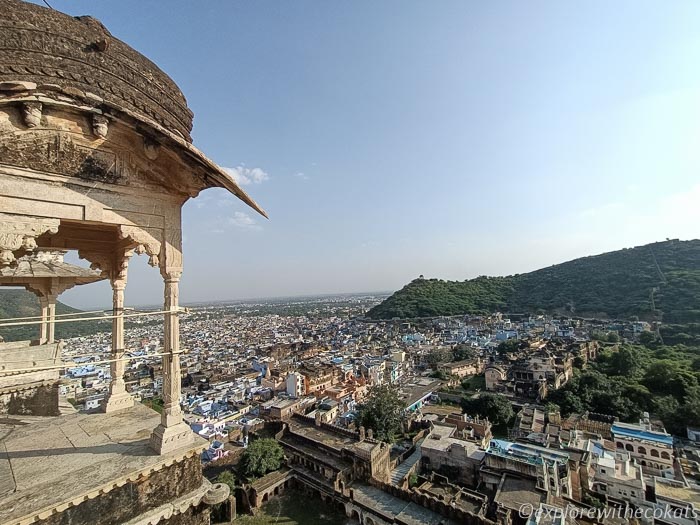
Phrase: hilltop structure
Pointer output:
(95, 157)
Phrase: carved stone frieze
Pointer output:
(110, 162)
(59, 153)
(18, 235)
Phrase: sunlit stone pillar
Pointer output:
(173, 432)
(50, 318)
(118, 397)
(44, 326)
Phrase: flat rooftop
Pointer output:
(329, 438)
(636, 432)
(392, 507)
(514, 492)
(51, 461)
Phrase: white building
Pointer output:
(616, 475)
(295, 384)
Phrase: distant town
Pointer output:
(300, 369)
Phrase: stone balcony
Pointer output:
(78, 467)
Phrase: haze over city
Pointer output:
(404, 138)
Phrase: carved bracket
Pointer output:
(112, 265)
(100, 126)
(147, 242)
(31, 113)
(18, 235)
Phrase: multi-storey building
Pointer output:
(653, 450)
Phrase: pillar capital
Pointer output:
(118, 284)
(171, 276)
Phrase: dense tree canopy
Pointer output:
(493, 406)
(383, 412)
(262, 456)
(227, 478)
(636, 379)
(508, 346)
(464, 352)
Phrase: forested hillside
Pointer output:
(20, 303)
(653, 281)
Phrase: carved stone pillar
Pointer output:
(44, 326)
(51, 317)
(173, 432)
(118, 397)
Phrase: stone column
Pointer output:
(51, 317)
(44, 326)
(173, 432)
(118, 397)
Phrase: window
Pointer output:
(665, 455)
(654, 453)
(629, 447)
(642, 450)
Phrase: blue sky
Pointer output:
(396, 138)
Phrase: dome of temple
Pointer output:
(79, 56)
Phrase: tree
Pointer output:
(440, 355)
(382, 411)
(626, 362)
(262, 456)
(667, 377)
(227, 478)
(648, 339)
(507, 346)
(497, 408)
(440, 374)
(463, 352)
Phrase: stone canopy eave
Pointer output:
(214, 175)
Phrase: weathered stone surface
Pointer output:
(44, 46)
(132, 499)
(194, 516)
(41, 400)
(15, 86)
(88, 465)
(218, 493)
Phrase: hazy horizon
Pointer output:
(185, 302)
(398, 138)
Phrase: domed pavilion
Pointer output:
(96, 157)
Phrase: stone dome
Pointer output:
(77, 55)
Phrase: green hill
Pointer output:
(653, 281)
(20, 303)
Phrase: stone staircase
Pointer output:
(401, 471)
